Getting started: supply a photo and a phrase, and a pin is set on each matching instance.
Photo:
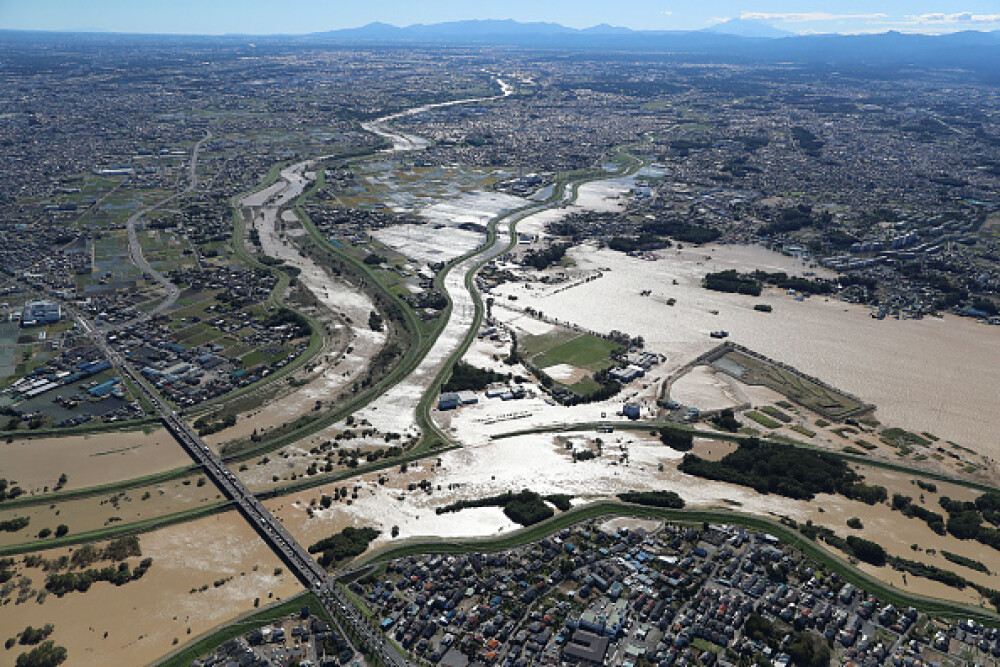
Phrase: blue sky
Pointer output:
(302, 16)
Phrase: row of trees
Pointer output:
(61, 583)
(8, 492)
(667, 499)
(46, 654)
(731, 281)
(682, 232)
(15, 524)
(752, 283)
(905, 504)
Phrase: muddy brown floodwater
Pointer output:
(936, 375)
(89, 460)
(143, 617)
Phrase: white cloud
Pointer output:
(716, 20)
(805, 17)
(957, 17)
(666, 12)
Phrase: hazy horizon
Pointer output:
(295, 17)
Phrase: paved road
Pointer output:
(135, 247)
(300, 563)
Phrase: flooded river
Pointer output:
(935, 375)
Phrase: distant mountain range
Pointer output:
(736, 38)
(507, 31)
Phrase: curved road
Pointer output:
(459, 283)
(135, 247)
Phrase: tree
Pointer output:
(677, 439)
(46, 654)
(61, 530)
(31, 636)
(867, 551)
(727, 421)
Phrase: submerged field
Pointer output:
(807, 393)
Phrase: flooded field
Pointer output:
(629, 461)
(935, 375)
(705, 389)
(123, 507)
(89, 460)
(139, 622)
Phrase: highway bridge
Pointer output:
(300, 563)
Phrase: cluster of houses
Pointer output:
(191, 374)
(591, 595)
(302, 639)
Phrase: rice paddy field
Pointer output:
(165, 250)
(401, 186)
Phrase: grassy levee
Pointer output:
(147, 405)
(433, 435)
(314, 481)
(214, 638)
(111, 532)
(411, 356)
(89, 491)
(317, 335)
(83, 429)
(813, 550)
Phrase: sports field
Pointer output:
(569, 357)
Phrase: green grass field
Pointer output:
(762, 419)
(581, 350)
(534, 345)
(563, 346)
